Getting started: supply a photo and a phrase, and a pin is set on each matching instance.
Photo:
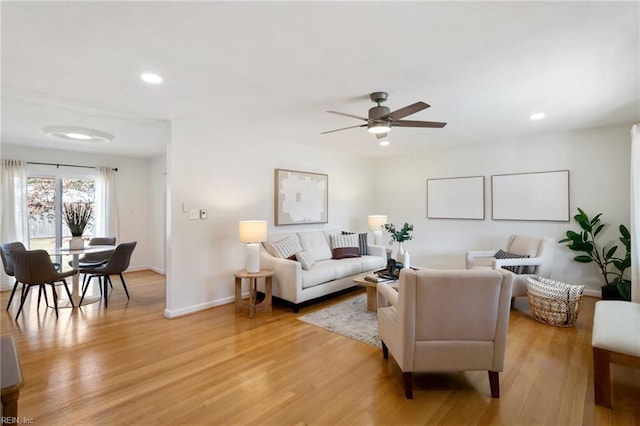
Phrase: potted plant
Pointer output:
(77, 216)
(404, 234)
(611, 267)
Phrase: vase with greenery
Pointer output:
(77, 217)
(402, 235)
(611, 266)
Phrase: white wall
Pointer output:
(158, 211)
(598, 161)
(233, 178)
(133, 190)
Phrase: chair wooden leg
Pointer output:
(407, 378)
(66, 287)
(15, 286)
(84, 290)
(385, 351)
(494, 383)
(106, 280)
(125, 286)
(55, 297)
(25, 293)
(601, 377)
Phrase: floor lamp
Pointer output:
(253, 232)
(375, 222)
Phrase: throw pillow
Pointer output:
(348, 240)
(362, 242)
(516, 269)
(306, 259)
(345, 252)
(287, 247)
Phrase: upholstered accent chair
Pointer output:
(446, 321)
(538, 260)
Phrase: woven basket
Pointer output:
(554, 302)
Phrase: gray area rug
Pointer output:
(349, 318)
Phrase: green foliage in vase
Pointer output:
(400, 236)
(611, 267)
(77, 216)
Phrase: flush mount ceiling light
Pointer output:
(537, 116)
(77, 134)
(151, 78)
(384, 143)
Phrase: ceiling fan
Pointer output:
(381, 119)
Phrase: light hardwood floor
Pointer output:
(129, 365)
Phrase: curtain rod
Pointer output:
(66, 165)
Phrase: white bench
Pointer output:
(615, 339)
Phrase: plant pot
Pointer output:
(610, 292)
(76, 243)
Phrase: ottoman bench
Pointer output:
(615, 339)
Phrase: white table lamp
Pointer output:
(253, 232)
(375, 222)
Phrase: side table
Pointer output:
(251, 307)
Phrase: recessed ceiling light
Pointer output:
(537, 116)
(384, 143)
(76, 134)
(151, 78)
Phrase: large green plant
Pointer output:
(611, 267)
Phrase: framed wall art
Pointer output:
(534, 196)
(456, 198)
(301, 197)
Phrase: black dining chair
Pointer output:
(116, 265)
(34, 268)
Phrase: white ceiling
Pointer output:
(483, 67)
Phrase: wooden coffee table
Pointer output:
(372, 292)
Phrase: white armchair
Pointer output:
(446, 320)
(540, 252)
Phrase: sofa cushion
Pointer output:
(517, 269)
(347, 267)
(316, 243)
(287, 247)
(320, 273)
(345, 252)
(372, 262)
(306, 259)
(362, 242)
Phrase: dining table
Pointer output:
(75, 264)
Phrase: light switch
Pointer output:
(194, 214)
(203, 214)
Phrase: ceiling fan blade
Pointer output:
(349, 115)
(411, 123)
(344, 128)
(403, 112)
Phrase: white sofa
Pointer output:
(293, 283)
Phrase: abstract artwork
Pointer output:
(301, 197)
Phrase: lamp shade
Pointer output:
(252, 231)
(376, 221)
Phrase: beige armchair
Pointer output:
(445, 321)
(540, 252)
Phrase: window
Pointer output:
(45, 195)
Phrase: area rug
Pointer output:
(349, 318)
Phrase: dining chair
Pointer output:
(34, 268)
(116, 265)
(7, 263)
(91, 260)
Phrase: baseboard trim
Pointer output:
(146, 268)
(174, 313)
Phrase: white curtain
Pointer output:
(106, 207)
(635, 213)
(14, 218)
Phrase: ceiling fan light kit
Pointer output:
(381, 119)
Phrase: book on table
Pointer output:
(375, 278)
